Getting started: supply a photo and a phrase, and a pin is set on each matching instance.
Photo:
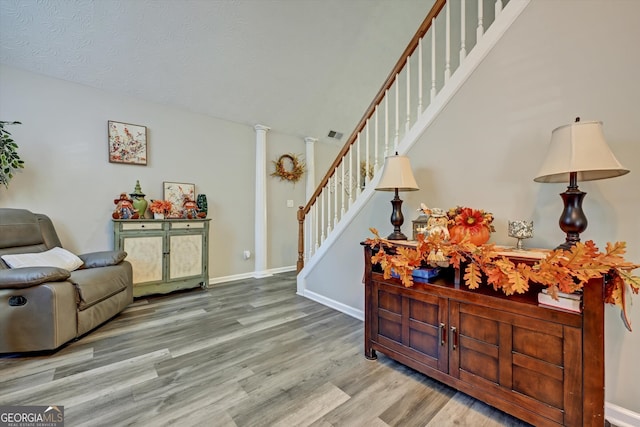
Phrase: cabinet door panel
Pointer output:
(480, 364)
(390, 329)
(185, 256)
(145, 256)
(390, 301)
(481, 329)
(538, 344)
(538, 385)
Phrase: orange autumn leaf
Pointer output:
(472, 276)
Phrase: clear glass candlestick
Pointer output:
(521, 230)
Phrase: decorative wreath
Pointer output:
(288, 168)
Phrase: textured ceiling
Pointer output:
(300, 66)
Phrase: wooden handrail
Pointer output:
(411, 47)
(400, 64)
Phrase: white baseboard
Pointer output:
(343, 308)
(251, 275)
(620, 416)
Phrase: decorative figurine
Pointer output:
(124, 208)
(438, 221)
(189, 209)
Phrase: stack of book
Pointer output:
(571, 302)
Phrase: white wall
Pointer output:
(559, 60)
(63, 141)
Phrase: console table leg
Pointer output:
(370, 353)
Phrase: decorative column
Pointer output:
(311, 166)
(261, 203)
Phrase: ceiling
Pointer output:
(302, 67)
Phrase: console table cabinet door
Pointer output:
(185, 256)
(145, 253)
(412, 325)
(166, 255)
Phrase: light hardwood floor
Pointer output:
(245, 353)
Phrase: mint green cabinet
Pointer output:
(166, 255)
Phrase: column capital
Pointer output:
(310, 140)
(262, 127)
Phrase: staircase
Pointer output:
(449, 44)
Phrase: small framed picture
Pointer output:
(127, 143)
(177, 193)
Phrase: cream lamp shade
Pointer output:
(579, 147)
(397, 174)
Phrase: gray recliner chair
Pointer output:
(41, 308)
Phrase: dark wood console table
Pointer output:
(541, 365)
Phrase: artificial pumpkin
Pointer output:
(478, 235)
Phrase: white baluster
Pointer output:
(419, 78)
(328, 188)
(386, 122)
(408, 121)
(322, 235)
(433, 59)
(358, 183)
(351, 190)
(335, 202)
(377, 141)
(480, 30)
(447, 44)
(344, 189)
(463, 32)
(315, 225)
(309, 220)
(366, 157)
(498, 7)
(397, 135)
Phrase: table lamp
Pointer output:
(577, 151)
(397, 176)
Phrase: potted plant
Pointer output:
(160, 208)
(9, 159)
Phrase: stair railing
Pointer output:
(426, 61)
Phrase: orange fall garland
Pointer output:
(564, 271)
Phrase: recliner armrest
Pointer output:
(102, 259)
(25, 277)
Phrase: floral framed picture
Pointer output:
(127, 143)
(177, 193)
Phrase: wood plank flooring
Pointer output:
(244, 353)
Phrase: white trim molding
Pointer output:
(621, 417)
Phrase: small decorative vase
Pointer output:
(201, 202)
(139, 202)
(158, 215)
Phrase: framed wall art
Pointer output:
(177, 193)
(127, 143)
